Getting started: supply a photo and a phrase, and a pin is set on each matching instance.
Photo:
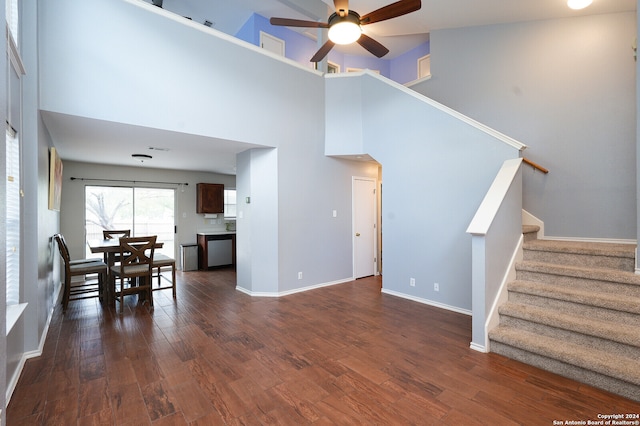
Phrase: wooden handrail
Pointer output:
(535, 165)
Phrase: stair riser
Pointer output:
(610, 384)
(633, 320)
(572, 336)
(577, 282)
(612, 262)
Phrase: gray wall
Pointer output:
(228, 90)
(565, 88)
(436, 170)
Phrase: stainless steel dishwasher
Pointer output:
(220, 252)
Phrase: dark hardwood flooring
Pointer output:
(345, 354)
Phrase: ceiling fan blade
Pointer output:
(342, 7)
(372, 46)
(392, 10)
(297, 23)
(320, 54)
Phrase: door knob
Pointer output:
(357, 234)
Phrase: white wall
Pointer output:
(565, 88)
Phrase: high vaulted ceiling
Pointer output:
(400, 34)
(111, 140)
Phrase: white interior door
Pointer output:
(271, 43)
(364, 227)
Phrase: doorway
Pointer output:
(271, 43)
(365, 235)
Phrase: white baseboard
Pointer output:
(593, 240)
(427, 302)
(529, 219)
(296, 290)
(13, 381)
(493, 319)
(478, 348)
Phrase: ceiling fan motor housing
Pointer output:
(350, 21)
(352, 16)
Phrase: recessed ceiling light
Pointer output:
(578, 4)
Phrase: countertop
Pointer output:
(217, 232)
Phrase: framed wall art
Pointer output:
(55, 180)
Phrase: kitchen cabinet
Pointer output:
(216, 249)
(210, 198)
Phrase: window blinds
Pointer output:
(13, 217)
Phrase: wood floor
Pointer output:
(345, 354)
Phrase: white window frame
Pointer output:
(14, 308)
(227, 202)
(13, 216)
(333, 66)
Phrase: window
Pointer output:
(230, 203)
(13, 217)
(332, 67)
(11, 11)
(144, 211)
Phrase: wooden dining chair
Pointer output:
(162, 261)
(135, 270)
(110, 234)
(81, 267)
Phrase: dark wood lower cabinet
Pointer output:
(216, 250)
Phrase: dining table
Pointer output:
(110, 248)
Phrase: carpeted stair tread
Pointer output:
(586, 248)
(602, 329)
(601, 361)
(611, 301)
(599, 274)
(530, 232)
(527, 229)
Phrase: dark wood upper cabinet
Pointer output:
(210, 198)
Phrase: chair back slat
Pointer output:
(114, 233)
(137, 251)
(63, 249)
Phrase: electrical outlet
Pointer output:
(299, 275)
(436, 286)
(412, 282)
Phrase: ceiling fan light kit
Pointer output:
(578, 4)
(345, 25)
(344, 30)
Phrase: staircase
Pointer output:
(574, 309)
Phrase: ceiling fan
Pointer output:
(344, 25)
